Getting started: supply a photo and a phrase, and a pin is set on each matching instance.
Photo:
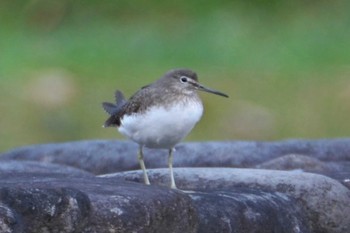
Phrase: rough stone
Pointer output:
(295, 162)
(96, 156)
(248, 210)
(44, 203)
(325, 201)
(339, 170)
(38, 203)
(328, 157)
(12, 166)
(50, 188)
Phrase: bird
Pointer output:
(159, 115)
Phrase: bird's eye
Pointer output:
(183, 79)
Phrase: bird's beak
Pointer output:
(206, 89)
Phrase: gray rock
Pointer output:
(44, 203)
(295, 162)
(325, 201)
(107, 156)
(93, 156)
(97, 156)
(9, 220)
(27, 167)
(42, 188)
(339, 170)
(248, 210)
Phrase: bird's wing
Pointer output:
(136, 103)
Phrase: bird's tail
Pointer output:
(113, 109)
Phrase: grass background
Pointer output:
(285, 65)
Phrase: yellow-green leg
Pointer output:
(170, 163)
(142, 165)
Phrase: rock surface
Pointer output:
(51, 188)
(247, 210)
(328, 157)
(324, 200)
(41, 203)
(9, 166)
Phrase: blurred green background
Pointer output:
(285, 65)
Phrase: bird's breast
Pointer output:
(161, 127)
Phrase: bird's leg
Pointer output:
(143, 167)
(170, 163)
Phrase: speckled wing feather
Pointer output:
(136, 103)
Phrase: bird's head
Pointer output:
(186, 81)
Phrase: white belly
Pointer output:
(159, 127)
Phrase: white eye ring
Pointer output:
(183, 79)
